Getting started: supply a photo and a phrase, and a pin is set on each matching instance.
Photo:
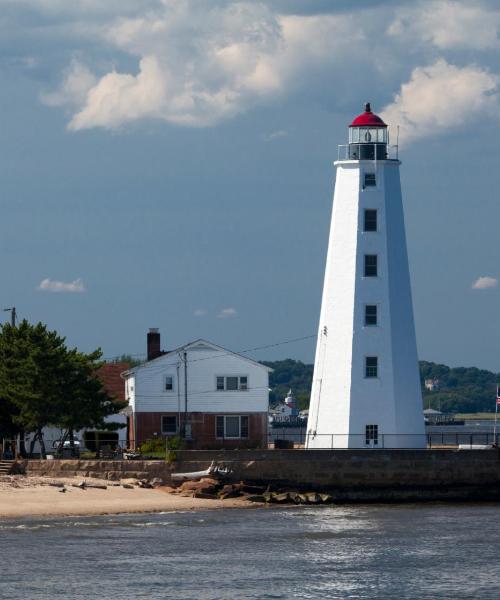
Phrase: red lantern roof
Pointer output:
(367, 119)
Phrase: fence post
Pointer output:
(332, 441)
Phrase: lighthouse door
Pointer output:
(371, 436)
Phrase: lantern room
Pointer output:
(368, 137)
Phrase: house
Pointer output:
(432, 385)
(209, 396)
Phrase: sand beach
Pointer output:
(22, 496)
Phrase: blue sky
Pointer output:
(169, 164)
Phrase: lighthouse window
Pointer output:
(371, 435)
(371, 366)
(370, 180)
(370, 220)
(371, 264)
(371, 314)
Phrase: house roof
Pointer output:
(112, 382)
(199, 344)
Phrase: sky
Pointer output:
(169, 163)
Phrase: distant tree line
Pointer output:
(461, 389)
(44, 383)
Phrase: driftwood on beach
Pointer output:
(213, 470)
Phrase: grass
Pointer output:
(478, 415)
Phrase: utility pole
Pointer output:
(13, 315)
(186, 428)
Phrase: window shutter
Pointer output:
(219, 427)
(244, 426)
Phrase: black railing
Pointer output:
(282, 437)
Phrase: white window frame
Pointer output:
(369, 187)
(176, 417)
(239, 377)
(371, 435)
(375, 210)
(365, 367)
(377, 315)
(165, 377)
(377, 266)
(227, 437)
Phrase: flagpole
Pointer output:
(496, 414)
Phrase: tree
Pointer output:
(47, 384)
(128, 358)
(85, 403)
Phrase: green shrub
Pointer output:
(174, 443)
(153, 447)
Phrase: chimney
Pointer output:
(154, 343)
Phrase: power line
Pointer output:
(201, 392)
(154, 368)
(222, 353)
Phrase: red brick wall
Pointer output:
(202, 430)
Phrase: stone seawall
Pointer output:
(371, 475)
(351, 475)
(100, 469)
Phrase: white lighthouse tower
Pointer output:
(366, 386)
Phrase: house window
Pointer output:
(371, 265)
(231, 426)
(371, 366)
(232, 383)
(169, 425)
(371, 435)
(370, 223)
(169, 383)
(370, 180)
(371, 317)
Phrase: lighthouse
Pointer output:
(366, 385)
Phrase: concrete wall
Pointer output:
(352, 475)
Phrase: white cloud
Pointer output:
(198, 63)
(200, 312)
(202, 63)
(484, 283)
(447, 24)
(275, 135)
(50, 285)
(227, 313)
(441, 97)
(78, 81)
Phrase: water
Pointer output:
(357, 552)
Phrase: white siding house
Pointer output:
(210, 396)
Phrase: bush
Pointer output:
(174, 443)
(153, 446)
